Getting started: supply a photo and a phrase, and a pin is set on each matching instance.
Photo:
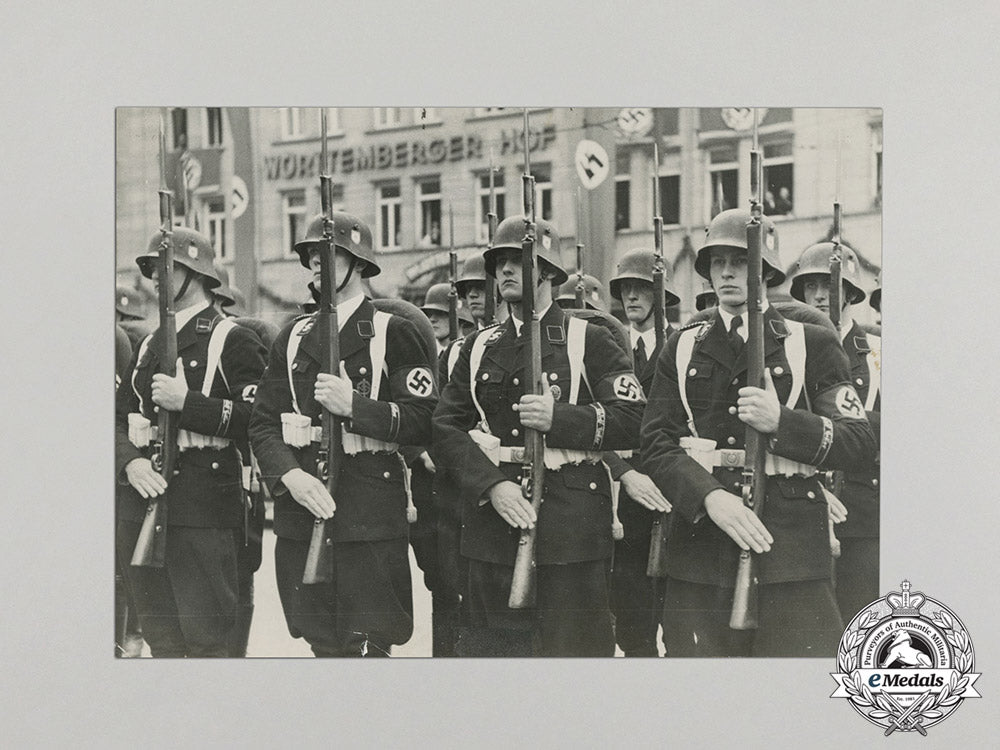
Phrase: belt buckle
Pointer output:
(518, 455)
(731, 458)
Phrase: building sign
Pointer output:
(592, 163)
(402, 154)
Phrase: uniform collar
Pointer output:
(517, 323)
(846, 326)
(648, 338)
(727, 320)
(183, 317)
(347, 308)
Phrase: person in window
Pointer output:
(783, 204)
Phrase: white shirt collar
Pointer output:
(648, 338)
(518, 323)
(183, 317)
(845, 328)
(727, 320)
(347, 308)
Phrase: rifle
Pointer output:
(319, 560)
(452, 276)
(580, 289)
(490, 289)
(151, 546)
(656, 565)
(745, 606)
(522, 588)
(836, 258)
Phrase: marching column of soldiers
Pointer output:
(644, 437)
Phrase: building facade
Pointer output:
(420, 177)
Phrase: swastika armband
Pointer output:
(419, 382)
(621, 386)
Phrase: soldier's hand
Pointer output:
(309, 492)
(425, 459)
(642, 489)
(144, 478)
(759, 407)
(536, 411)
(729, 513)
(508, 501)
(170, 392)
(335, 394)
(836, 509)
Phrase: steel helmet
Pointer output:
(473, 271)
(436, 300)
(191, 250)
(593, 296)
(227, 294)
(729, 229)
(129, 303)
(508, 236)
(638, 264)
(815, 259)
(350, 234)
(706, 299)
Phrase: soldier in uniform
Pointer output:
(436, 309)
(857, 566)
(692, 438)
(594, 403)
(385, 395)
(637, 599)
(471, 287)
(188, 607)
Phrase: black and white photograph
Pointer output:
(367, 454)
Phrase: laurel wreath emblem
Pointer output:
(881, 707)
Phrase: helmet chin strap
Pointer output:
(188, 275)
(347, 276)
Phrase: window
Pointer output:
(670, 198)
(483, 202)
(543, 190)
(424, 114)
(429, 213)
(216, 206)
(178, 124)
(390, 214)
(293, 224)
(291, 122)
(778, 179)
(213, 126)
(723, 188)
(623, 202)
(386, 117)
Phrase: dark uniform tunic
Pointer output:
(188, 607)
(858, 564)
(798, 614)
(573, 542)
(369, 605)
(636, 599)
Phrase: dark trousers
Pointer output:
(857, 575)
(363, 611)
(187, 607)
(795, 619)
(636, 599)
(572, 616)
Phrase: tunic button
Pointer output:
(295, 365)
(811, 495)
(514, 432)
(874, 482)
(593, 485)
(732, 409)
(516, 381)
(363, 370)
(859, 381)
(779, 370)
(730, 440)
(736, 381)
(386, 475)
(553, 376)
(156, 410)
(329, 542)
(692, 372)
(193, 363)
(485, 376)
(215, 464)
